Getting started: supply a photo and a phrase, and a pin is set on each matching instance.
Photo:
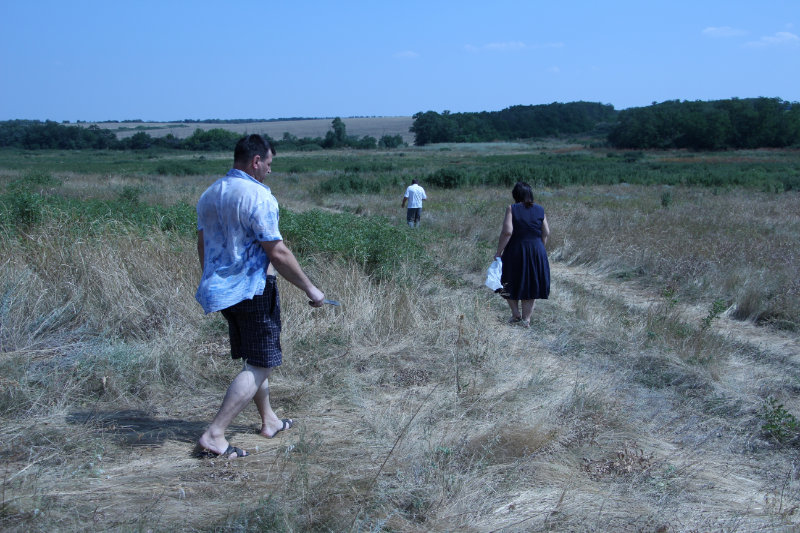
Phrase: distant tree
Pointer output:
(139, 141)
(336, 137)
(215, 139)
(367, 142)
(339, 130)
(390, 141)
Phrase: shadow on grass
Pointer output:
(137, 428)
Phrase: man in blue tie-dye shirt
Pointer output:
(240, 248)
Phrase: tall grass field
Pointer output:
(655, 391)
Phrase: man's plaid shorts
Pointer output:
(255, 328)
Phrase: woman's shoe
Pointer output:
(515, 320)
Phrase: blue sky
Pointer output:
(171, 60)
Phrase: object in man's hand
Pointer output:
(326, 301)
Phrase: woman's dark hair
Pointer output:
(249, 147)
(522, 193)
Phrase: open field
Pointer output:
(656, 390)
(374, 126)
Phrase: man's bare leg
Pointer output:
(270, 423)
(243, 388)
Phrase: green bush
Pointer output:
(41, 178)
(372, 242)
(22, 203)
(508, 175)
(367, 142)
(390, 141)
(666, 199)
(376, 166)
(23, 207)
(352, 183)
(20, 206)
(779, 423)
(213, 140)
(130, 194)
(448, 178)
(310, 148)
(176, 168)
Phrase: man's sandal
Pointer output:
(287, 423)
(227, 455)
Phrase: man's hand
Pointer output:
(316, 297)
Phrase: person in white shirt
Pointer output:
(415, 195)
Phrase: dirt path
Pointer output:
(776, 343)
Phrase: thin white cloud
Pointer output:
(594, 69)
(782, 38)
(554, 70)
(790, 25)
(725, 31)
(408, 54)
(505, 46)
(511, 46)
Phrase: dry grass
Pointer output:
(418, 407)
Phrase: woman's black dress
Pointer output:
(526, 271)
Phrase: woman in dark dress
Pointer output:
(526, 271)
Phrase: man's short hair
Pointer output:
(250, 146)
(415, 181)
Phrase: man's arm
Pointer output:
(287, 266)
(201, 249)
(404, 201)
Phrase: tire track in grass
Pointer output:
(781, 344)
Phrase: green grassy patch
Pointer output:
(373, 242)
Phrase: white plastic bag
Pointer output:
(494, 273)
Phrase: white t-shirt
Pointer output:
(415, 195)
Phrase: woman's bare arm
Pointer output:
(545, 230)
(505, 233)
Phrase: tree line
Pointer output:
(709, 125)
(515, 122)
(50, 135)
(699, 125)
